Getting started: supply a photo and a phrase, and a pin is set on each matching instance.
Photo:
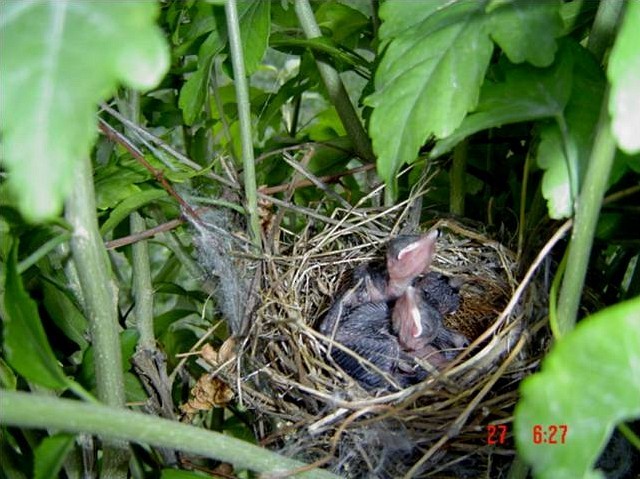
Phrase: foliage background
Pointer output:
(530, 107)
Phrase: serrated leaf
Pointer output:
(129, 205)
(25, 342)
(51, 454)
(435, 60)
(526, 94)
(526, 30)
(58, 59)
(589, 382)
(428, 79)
(624, 75)
(563, 175)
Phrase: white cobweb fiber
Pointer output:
(217, 251)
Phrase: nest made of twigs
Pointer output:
(307, 407)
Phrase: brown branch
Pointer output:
(270, 190)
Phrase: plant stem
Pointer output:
(586, 218)
(100, 293)
(335, 87)
(604, 27)
(457, 186)
(244, 116)
(142, 287)
(34, 411)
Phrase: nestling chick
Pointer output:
(376, 353)
(407, 257)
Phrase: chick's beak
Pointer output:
(406, 318)
(406, 261)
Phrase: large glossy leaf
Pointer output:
(58, 59)
(526, 94)
(624, 74)
(25, 342)
(564, 156)
(435, 61)
(516, 27)
(589, 382)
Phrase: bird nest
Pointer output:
(307, 407)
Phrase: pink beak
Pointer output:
(411, 261)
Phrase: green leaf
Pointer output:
(435, 60)
(563, 175)
(526, 30)
(118, 180)
(8, 380)
(128, 341)
(133, 389)
(526, 94)
(57, 61)
(624, 74)
(428, 79)
(589, 382)
(66, 315)
(346, 23)
(25, 342)
(255, 25)
(194, 91)
(178, 474)
(50, 455)
(129, 205)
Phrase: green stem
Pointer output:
(99, 292)
(335, 87)
(523, 204)
(244, 116)
(22, 409)
(142, 286)
(457, 187)
(631, 436)
(586, 218)
(604, 26)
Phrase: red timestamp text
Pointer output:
(551, 434)
(496, 434)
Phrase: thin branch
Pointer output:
(586, 219)
(244, 117)
(335, 87)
